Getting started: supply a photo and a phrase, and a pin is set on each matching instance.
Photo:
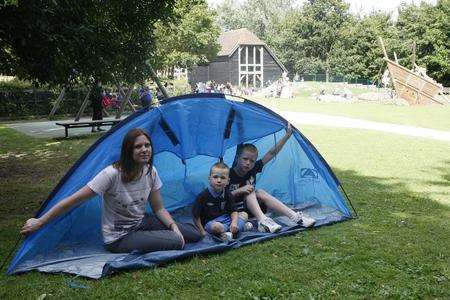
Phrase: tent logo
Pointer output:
(308, 173)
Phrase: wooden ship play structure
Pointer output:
(414, 85)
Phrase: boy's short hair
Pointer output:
(219, 165)
(249, 148)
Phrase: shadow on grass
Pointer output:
(444, 173)
(388, 194)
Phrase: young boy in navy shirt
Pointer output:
(256, 201)
(214, 209)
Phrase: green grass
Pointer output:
(430, 116)
(397, 248)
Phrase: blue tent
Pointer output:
(189, 134)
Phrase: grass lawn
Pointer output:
(397, 248)
(430, 116)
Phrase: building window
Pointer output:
(251, 66)
(258, 57)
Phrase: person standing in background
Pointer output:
(96, 103)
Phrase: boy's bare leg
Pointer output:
(253, 206)
(273, 203)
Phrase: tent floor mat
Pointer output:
(95, 262)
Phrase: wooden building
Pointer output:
(243, 60)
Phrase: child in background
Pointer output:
(214, 209)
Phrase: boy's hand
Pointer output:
(246, 189)
(233, 227)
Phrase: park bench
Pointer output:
(97, 123)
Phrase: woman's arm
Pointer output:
(199, 225)
(33, 224)
(156, 203)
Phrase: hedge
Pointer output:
(29, 102)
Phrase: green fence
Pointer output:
(16, 104)
(337, 78)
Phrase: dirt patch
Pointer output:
(35, 164)
(382, 97)
(15, 168)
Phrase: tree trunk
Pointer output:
(327, 68)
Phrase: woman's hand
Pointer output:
(31, 225)
(156, 203)
(175, 229)
(63, 206)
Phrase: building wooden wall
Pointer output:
(226, 69)
(272, 70)
(234, 68)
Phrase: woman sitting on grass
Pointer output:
(125, 187)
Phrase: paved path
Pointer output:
(335, 121)
(48, 129)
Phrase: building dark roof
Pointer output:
(230, 40)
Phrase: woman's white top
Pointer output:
(123, 203)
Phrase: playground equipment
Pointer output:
(412, 85)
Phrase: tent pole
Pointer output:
(348, 199)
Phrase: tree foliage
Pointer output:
(46, 40)
(259, 16)
(357, 54)
(190, 38)
(318, 28)
(429, 27)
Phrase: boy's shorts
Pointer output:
(225, 220)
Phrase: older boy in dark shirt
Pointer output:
(256, 201)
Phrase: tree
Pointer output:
(429, 27)
(322, 27)
(190, 38)
(358, 53)
(306, 38)
(229, 15)
(46, 40)
(259, 16)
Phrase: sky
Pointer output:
(366, 6)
